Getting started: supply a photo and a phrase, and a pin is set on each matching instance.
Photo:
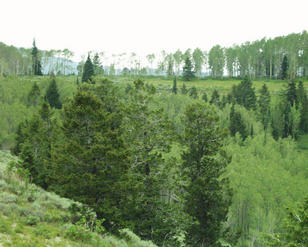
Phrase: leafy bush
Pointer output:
(6, 197)
(77, 233)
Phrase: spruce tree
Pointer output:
(300, 93)
(215, 99)
(237, 124)
(244, 94)
(204, 97)
(36, 63)
(174, 88)
(303, 125)
(207, 196)
(184, 89)
(188, 73)
(88, 70)
(264, 105)
(291, 93)
(34, 96)
(52, 95)
(284, 67)
(193, 93)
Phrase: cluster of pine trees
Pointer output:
(112, 151)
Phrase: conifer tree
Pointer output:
(34, 96)
(174, 88)
(193, 93)
(244, 94)
(88, 70)
(237, 124)
(207, 196)
(215, 99)
(284, 67)
(188, 73)
(291, 93)
(184, 89)
(264, 105)
(52, 95)
(204, 97)
(300, 93)
(303, 125)
(36, 63)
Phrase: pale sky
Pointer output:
(146, 26)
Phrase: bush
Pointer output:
(77, 233)
(32, 220)
(6, 197)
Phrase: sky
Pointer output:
(146, 26)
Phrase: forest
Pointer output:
(207, 149)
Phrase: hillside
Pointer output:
(30, 216)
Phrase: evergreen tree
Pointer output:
(174, 88)
(204, 97)
(184, 89)
(52, 95)
(215, 99)
(36, 63)
(97, 67)
(90, 161)
(193, 93)
(303, 125)
(244, 94)
(237, 124)
(291, 93)
(284, 67)
(300, 94)
(88, 70)
(34, 96)
(188, 73)
(207, 196)
(264, 105)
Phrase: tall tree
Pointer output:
(264, 105)
(52, 95)
(217, 61)
(188, 73)
(207, 195)
(174, 87)
(88, 70)
(284, 67)
(215, 99)
(198, 58)
(36, 63)
(244, 94)
(34, 96)
(237, 124)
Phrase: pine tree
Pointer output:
(184, 89)
(52, 95)
(36, 63)
(244, 94)
(188, 73)
(88, 70)
(215, 99)
(204, 97)
(264, 105)
(90, 162)
(174, 88)
(237, 124)
(34, 96)
(284, 67)
(97, 67)
(303, 125)
(193, 93)
(207, 196)
(291, 93)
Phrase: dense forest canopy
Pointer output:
(180, 160)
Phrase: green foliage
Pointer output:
(284, 67)
(174, 88)
(244, 94)
(52, 95)
(193, 92)
(215, 99)
(36, 63)
(264, 102)
(88, 71)
(184, 89)
(34, 96)
(207, 196)
(236, 124)
(188, 73)
(204, 97)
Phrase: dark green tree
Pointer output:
(303, 125)
(284, 67)
(52, 95)
(97, 67)
(244, 94)
(88, 70)
(174, 88)
(301, 93)
(291, 93)
(188, 72)
(237, 124)
(215, 99)
(36, 63)
(184, 89)
(34, 96)
(204, 97)
(90, 161)
(193, 92)
(264, 105)
(207, 194)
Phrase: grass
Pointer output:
(32, 217)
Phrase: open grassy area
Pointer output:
(32, 217)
